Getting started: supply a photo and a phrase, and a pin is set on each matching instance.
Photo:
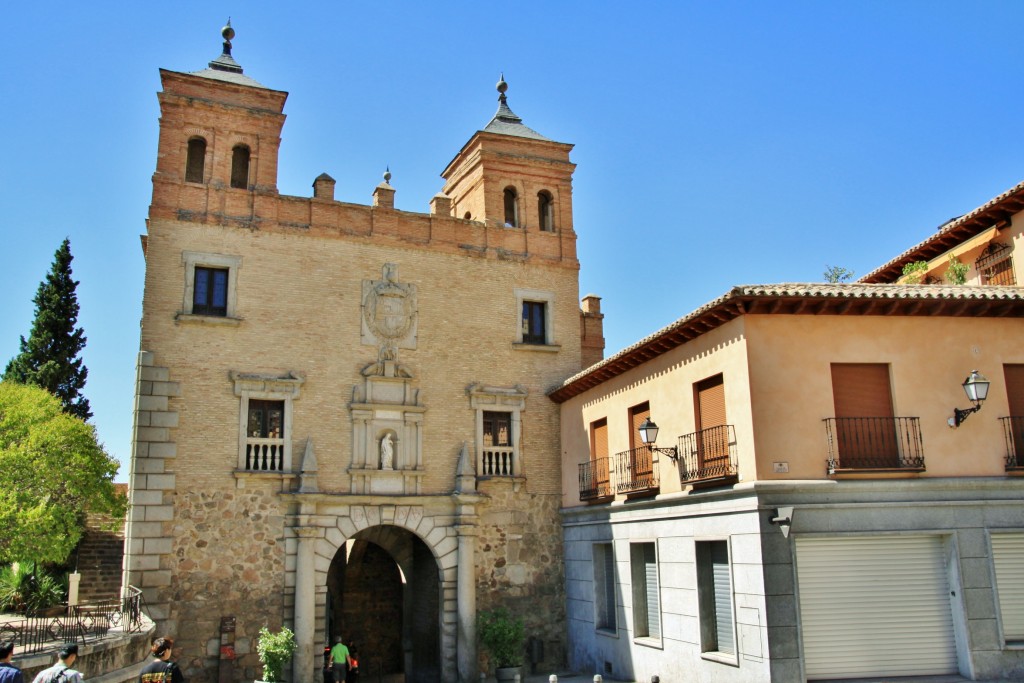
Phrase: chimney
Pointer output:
(591, 331)
(323, 187)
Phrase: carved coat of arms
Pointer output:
(389, 313)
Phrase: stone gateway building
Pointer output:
(341, 414)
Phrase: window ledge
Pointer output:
(649, 642)
(242, 476)
(875, 472)
(607, 633)
(549, 348)
(721, 658)
(193, 319)
(515, 481)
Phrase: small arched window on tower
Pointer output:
(511, 208)
(240, 167)
(195, 160)
(546, 211)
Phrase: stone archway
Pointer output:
(437, 530)
(383, 595)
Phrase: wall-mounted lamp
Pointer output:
(782, 518)
(976, 388)
(649, 435)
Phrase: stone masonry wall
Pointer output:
(519, 564)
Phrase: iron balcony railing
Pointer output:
(1013, 429)
(42, 631)
(636, 471)
(594, 480)
(708, 454)
(874, 443)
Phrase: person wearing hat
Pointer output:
(8, 672)
(61, 672)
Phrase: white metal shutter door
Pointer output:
(1008, 558)
(651, 577)
(723, 597)
(875, 606)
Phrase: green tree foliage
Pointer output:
(49, 359)
(24, 586)
(837, 274)
(52, 471)
(275, 649)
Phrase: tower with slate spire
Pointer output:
(218, 128)
(512, 176)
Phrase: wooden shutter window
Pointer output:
(637, 415)
(865, 426)
(711, 403)
(861, 390)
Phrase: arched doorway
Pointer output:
(383, 595)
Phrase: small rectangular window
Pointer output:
(643, 561)
(714, 597)
(497, 429)
(210, 291)
(534, 328)
(604, 586)
(266, 419)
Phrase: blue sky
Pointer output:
(717, 143)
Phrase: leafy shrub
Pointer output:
(503, 637)
(275, 649)
(956, 273)
(25, 587)
(913, 273)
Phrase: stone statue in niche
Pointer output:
(387, 452)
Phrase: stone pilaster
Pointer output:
(303, 662)
(467, 603)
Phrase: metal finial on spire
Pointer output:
(387, 174)
(228, 34)
(502, 87)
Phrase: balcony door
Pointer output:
(712, 433)
(865, 422)
(599, 457)
(641, 465)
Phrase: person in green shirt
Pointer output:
(340, 660)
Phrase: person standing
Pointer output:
(161, 669)
(8, 672)
(340, 660)
(61, 672)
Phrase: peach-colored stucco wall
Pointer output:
(779, 390)
(667, 384)
(929, 358)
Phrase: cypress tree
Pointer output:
(50, 358)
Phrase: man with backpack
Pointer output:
(61, 672)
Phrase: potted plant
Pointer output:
(503, 637)
(275, 649)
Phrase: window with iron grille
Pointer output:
(714, 598)
(643, 561)
(210, 291)
(534, 322)
(996, 265)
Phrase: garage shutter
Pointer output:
(1008, 558)
(875, 606)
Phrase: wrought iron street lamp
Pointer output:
(976, 388)
(649, 435)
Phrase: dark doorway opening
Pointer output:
(383, 595)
